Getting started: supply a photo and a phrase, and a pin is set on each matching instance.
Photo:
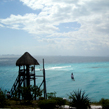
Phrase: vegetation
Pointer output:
(28, 94)
(13, 105)
(104, 103)
(47, 104)
(25, 91)
(51, 103)
(79, 100)
(51, 95)
(59, 101)
(3, 101)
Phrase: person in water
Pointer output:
(72, 76)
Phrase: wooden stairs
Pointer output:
(18, 82)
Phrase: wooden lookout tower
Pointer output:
(26, 73)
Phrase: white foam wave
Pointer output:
(57, 68)
(53, 68)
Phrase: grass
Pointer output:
(19, 105)
(12, 104)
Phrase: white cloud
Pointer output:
(1, 25)
(36, 4)
(14, 27)
(6, 0)
(29, 22)
(93, 16)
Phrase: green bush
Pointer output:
(28, 93)
(2, 99)
(51, 95)
(59, 101)
(79, 100)
(104, 103)
(41, 98)
(47, 104)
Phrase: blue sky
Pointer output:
(53, 27)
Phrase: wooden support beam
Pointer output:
(39, 76)
(44, 80)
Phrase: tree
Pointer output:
(51, 95)
(28, 93)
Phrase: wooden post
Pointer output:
(24, 76)
(34, 81)
(28, 75)
(45, 95)
(34, 77)
(19, 84)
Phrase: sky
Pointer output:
(54, 27)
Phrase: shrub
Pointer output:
(2, 99)
(79, 100)
(104, 103)
(28, 93)
(59, 101)
(47, 104)
(41, 98)
(51, 95)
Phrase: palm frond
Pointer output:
(79, 99)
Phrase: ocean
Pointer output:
(91, 74)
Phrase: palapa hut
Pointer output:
(26, 59)
(26, 72)
(25, 63)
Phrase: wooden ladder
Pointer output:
(16, 84)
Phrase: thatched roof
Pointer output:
(26, 59)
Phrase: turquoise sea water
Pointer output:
(91, 74)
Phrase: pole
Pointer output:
(28, 75)
(34, 81)
(19, 83)
(45, 95)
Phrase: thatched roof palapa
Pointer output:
(26, 59)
